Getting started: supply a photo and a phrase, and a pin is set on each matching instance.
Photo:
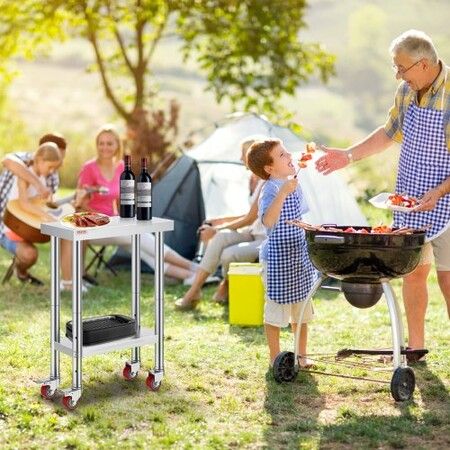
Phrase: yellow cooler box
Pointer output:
(246, 294)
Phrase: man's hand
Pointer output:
(429, 200)
(334, 159)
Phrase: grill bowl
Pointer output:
(364, 258)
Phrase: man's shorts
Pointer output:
(440, 248)
(8, 244)
(280, 315)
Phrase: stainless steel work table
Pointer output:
(143, 336)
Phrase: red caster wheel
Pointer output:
(47, 393)
(69, 403)
(128, 374)
(151, 383)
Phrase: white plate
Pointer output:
(382, 201)
(68, 224)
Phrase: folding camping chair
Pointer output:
(9, 271)
(99, 260)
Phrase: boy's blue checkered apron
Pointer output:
(424, 164)
(290, 274)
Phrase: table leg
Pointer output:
(55, 308)
(77, 317)
(49, 387)
(159, 306)
(136, 296)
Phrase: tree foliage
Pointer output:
(249, 50)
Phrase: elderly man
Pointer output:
(420, 121)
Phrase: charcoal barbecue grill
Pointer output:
(365, 263)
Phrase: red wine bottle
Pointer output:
(127, 185)
(144, 193)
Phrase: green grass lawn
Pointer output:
(217, 391)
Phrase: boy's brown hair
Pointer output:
(258, 156)
(55, 138)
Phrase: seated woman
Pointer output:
(104, 171)
(45, 162)
(237, 240)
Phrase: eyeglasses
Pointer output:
(397, 70)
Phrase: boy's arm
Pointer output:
(272, 214)
(26, 204)
(16, 166)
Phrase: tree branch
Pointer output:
(156, 40)
(92, 37)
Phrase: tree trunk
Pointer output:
(151, 134)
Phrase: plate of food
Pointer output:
(86, 219)
(395, 202)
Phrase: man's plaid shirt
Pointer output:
(7, 180)
(432, 99)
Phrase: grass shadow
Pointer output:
(294, 409)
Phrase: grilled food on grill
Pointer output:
(380, 229)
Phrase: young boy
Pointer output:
(288, 272)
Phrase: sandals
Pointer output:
(221, 294)
(66, 286)
(29, 279)
(222, 300)
(186, 305)
(305, 363)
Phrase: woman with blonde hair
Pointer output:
(104, 171)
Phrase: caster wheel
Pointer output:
(47, 393)
(151, 383)
(402, 384)
(284, 367)
(69, 403)
(128, 374)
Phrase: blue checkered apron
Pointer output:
(424, 164)
(290, 274)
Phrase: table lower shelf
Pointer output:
(147, 337)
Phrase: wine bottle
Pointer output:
(127, 185)
(144, 193)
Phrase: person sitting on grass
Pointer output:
(234, 240)
(287, 270)
(46, 161)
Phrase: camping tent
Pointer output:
(225, 180)
(178, 196)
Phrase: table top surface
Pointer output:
(116, 227)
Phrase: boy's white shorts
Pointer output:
(280, 315)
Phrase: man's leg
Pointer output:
(444, 284)
(415, 298)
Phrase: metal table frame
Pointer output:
(143, 336)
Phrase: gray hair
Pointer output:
(416, 44)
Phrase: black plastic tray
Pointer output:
(104, 328)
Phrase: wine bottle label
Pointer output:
(127, 192)
(144, 195)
